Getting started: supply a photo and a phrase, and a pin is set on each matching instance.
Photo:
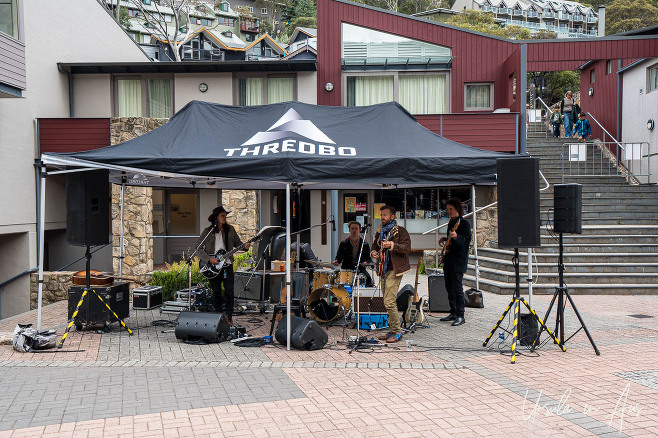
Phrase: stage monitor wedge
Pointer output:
(88, 208)
(518, 202)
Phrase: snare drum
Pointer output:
(345, 276)
(322, 277)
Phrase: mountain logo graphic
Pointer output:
(291, 123)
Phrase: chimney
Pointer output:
(601, 32)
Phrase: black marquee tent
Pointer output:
(274, 146)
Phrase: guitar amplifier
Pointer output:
(438, 295)
(370, 300)
(93, 311)
(147, 297)
(248, 287)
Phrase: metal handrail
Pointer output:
(17, 276)
(604, 130)
(544, 103)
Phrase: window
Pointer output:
(479, 97)
(276, 10)
(168, 18)
(146, 39)
(608, 67)
(228, 34)
(133, 13)
(224, 6)
(248, 37)
(276, 23)
(369, 90)
(143, 96)
(251, 9)
(592, 76)
(9, 17)
(146, 2)
(263, 11)
(265, 89)
(226, 21)
(653, 78)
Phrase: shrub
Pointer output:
(170, 283)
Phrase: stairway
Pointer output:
(617, 253)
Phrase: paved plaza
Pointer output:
(150, 384)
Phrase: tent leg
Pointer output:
(288, 243)
(42, 221)
(529, 280)
(121, 244)
(475, 240)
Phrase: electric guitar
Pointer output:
(211, 271)
(391, 235)
(445, 249)
(414, 312)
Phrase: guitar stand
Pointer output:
(516, 302)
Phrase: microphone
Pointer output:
(365, 227)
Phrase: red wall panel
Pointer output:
(603, 103)
(495, 132)
(73, 135)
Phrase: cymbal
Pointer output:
(320, 263)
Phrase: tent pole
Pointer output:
(475, 240)
(42, 221)
(121, 244)
(288, 243)
(529, 280)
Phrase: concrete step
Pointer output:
(602, 213)
(602, 239)
(621, 230)
(618, 221)
(581, 256)
(570, 277)
(577, 267)
(502, 288)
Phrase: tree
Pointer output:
(406, 6)
(304, 8)
(271, 6)
(311, 22)
(543, 34)
(556, 83)
(266, 26)
(155, 18)
(625, 15)
(485, 23)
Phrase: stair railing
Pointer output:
(546, 114)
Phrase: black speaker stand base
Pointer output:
(516, 303)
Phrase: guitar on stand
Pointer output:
(211, 271)
(414, 314)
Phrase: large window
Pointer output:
(267, 89)
(419, 93)
(478, 97)
(137, 96)
(9, 17)
(653, 78)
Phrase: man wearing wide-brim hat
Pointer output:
(224, 237)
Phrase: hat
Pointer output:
(215, 212)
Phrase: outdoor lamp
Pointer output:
(328, 86)
(203, 87)
(591, 92)
(650, 124)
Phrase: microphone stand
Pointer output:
(188, 263)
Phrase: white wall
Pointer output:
(96, 37)
(307, 89)
(637, 109)
(323, 252)
(186, 88)
(92, 95)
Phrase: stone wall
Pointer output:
(55, 287)
(244, 207)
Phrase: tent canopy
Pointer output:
(260, 147)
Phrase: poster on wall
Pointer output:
(350, 204)
(378, 213)
(361, 206)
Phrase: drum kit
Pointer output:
(331, 292)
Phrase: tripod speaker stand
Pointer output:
(516, 302)
(559, 294)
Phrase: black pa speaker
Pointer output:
(528, 328)
(206, 326)
(88, 208)
(568, 208)
(304, 333)
(518, 202)
(437, 293)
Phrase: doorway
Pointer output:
(175, 223)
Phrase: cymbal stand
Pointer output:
(188, 263)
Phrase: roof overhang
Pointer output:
(188, 67)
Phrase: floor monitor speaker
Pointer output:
(202, 326)
(305, 334)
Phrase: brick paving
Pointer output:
(111, 385)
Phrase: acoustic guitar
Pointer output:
(98, 278)
(446, 247)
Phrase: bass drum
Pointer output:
(328, 303)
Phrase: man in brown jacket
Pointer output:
(395, 263)
(225, 238)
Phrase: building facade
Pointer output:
(567, 19)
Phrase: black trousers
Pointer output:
(453, 281)
(223, 303)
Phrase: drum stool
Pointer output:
(295, 306)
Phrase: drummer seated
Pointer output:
(349, 249)
(305, 255)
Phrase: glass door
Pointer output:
(355, 207)
(175, 223)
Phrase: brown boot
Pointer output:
(395, 337)
(385, 337)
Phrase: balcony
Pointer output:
(533, 14)
(550, 14)
(504, 11)
(518, 13)
(565, 16)
(591, 19)
(190, 54)
(250, 26)
(578, 17)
